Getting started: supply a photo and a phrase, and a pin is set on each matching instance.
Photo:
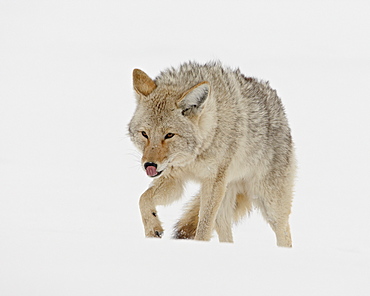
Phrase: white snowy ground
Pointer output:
(70, 179)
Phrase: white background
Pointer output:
(70, 179)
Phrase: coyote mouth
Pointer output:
(156, 175)
(151, 170)
(152, 173)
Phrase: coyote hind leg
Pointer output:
(223, 228)
(186, 227)
(276, 212)
(283, 236)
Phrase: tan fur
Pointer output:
(227, 132)
(155, 152)
(243, 205)
(142, 82)
(186, 227)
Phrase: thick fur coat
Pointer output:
(213, 125)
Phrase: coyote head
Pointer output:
(169, 125)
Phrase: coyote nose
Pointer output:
(150, 164)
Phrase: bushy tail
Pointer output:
(243, 206)
(186, 227)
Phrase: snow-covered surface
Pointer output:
(70, 179)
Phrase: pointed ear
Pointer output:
(143, 84)
(192, 102)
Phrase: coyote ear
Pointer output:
(143, 84)
(193, 100)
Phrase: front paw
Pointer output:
(154, 232)
(153, 227)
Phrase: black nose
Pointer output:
(150, 164)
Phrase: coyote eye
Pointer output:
(169, 136)
(144, 135)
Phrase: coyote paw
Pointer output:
(183, 231)
(158, 232)
(153, 227)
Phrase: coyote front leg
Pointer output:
(211, 196)
(162, 191)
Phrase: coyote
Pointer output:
(226, 131)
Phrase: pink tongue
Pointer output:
(151, 171)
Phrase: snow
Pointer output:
(70, 179)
